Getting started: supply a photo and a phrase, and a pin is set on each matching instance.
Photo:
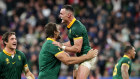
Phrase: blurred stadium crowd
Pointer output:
(111, 25)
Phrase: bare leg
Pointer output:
(82, 72)
(74, 73)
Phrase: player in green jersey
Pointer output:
(12, 61)
(122, 69)
(51, 56)
(78, 43)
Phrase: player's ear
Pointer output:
(129, 51)
(69, 14)
(5, 42)
(55, 33)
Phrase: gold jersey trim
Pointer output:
(59, 53)
(25, 65)
(9, 54)
(77, 38)
(50, 39)
(126, 56)
(71, 23)
(126, 64)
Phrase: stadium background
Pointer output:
(111, 25)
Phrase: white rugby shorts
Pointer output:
(90, 64)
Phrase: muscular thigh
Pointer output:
(82, 72)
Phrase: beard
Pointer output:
(59, 37)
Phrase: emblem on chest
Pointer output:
(19, 57)
(7, 60)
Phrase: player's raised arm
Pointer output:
(124, 70)
(75, 48)
(77, 45)
(28, 74)
(74, 60)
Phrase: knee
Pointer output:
(81, 77)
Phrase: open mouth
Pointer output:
(14, 44)
(62, 21)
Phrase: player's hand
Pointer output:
(57, 44)
(92, 53)
(29, 77)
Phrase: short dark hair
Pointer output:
(49, 29)
(127, 48)
(6, 36)
(68, 7)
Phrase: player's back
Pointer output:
(117, 70)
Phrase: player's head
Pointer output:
(130, 50)
(52, 31)
(9, 40)
(66, 13)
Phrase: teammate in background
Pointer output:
(78, 43)
(13, 61)
(51, 56)
(122, 69)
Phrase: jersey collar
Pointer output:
(71, 23)
(50, 39)
(9, 54)
(126, 56)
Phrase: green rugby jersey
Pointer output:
(77, 30)
(11, 68)
(117, 70)
(49, 65)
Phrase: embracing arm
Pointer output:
(74, 60)
(124, 71)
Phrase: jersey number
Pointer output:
(115, 70)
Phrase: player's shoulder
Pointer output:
(48, 44)
(77, 22)
(19, 52)
(126, 60)
(78, 26)
(52, 47)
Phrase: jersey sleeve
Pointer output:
(77, 33)
(55, 50)
(126, 62)
(24, 60)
